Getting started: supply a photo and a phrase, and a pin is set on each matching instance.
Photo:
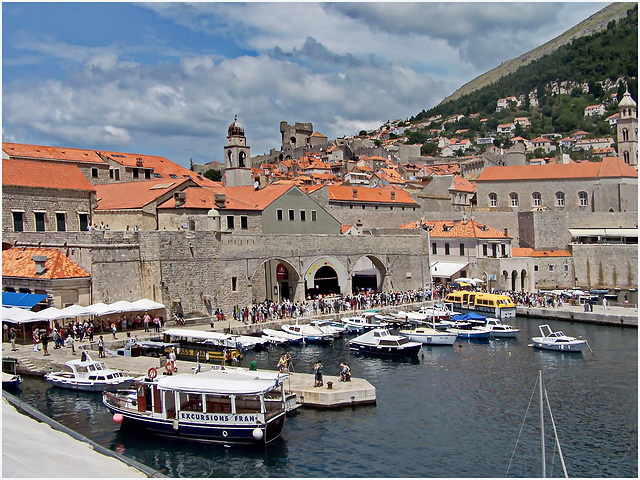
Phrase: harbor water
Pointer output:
(454, 411)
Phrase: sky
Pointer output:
(168, 78)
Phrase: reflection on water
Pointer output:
(455, 411)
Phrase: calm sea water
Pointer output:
(453, 412)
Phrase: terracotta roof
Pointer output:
(134, 195)
(318, 134)
(28, 173)
(456, 229)
(345, 228)
(609, 167)
(18, 262)
(41, 152)
(366, 194)
(530, 252)
(237, 198)
(311, 188)
(461, 184)
(160, 165)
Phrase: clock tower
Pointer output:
(237, 157)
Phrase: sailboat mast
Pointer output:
(544, 462)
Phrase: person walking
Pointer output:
(101, 347)
(12, 339)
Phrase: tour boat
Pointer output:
(197, 345)
(489, 304)
(309, 333)
(501, 330)
(363, 322)
(220, 406)
(380, 341)
(557, 341)
(87, 375)
(429, 336)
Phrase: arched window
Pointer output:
(241, 159)
(625, 156)
(583, 199)
(537, 199)
(560, 199)
(230, 158)
(493, 200)
(625, 135)
(514, 199)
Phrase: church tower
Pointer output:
(237, 158)
(628, 130)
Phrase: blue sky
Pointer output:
(167, 78)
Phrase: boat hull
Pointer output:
(576, 347)
(439, 338)
(387, 351)
(81, 386)
(504, 333)
(471, 334)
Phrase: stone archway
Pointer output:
(275, 279)
(368, 273)
(326, 275)
(514, 280)
(524, 278)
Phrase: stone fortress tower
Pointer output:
(236, 154)
(628, 130)
(298, 135)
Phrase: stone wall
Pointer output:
(605, 266)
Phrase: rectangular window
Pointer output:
(234, 284)
(230, 222)
(279, 215)
(147, 174)
(18, 221)
(83, 218)
(94, 173)
(39, 221)
(135, 173)
(504, 250)
(61, 225)
(117, 174)
(485, 250)
(535, 268)
(494, 249)
(314, 216)
(111, 173)
(446, 249)
(303, 215)
(551, 268)
(244, 223)
(566, 267)
(292, 215)
(462, 249)
(434, 248)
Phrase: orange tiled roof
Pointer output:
(457, 229)
(28, 173)
(366, 194)
(18, 262)
(609, 167)
(345, 228)
(530, 252)
(461, 184)
(41, 152)
(133, 195)
(237, 198)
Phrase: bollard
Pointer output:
(329, 385)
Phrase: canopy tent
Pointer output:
(51, 313)
(446, 269)
(124, 306)
(76, 311)
(102, 309)
(22, 300)
(146, 304)
(19, 315)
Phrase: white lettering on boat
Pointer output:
(218, 417)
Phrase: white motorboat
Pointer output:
(363, 322)
(222, 406)
(87, 375)
(557, 341)
(501, 330)
(309, 333)
(380, 341)
(330, 328)
(280, 336)
(430, 336)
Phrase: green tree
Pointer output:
(214, 175)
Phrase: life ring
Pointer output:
(169, 367)
(152, 373)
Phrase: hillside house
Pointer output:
(594, 111)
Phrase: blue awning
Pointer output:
(21, 300)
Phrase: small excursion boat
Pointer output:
(488, 304)
(470, 326)
(10, 378)
(363, 322)
(380, 341)
(221, 406)
(501, 330)
(557, 341)
(309, 333)
(330, 328)
(87, 375)
(279, 337)
(198, 345)
(430, 336)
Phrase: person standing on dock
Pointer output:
(146, 319)
(101, 347)
(253, 365)
(12, 339)
(44, 338)
(318, 372)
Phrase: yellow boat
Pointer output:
(488, 304)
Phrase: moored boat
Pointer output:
(558, 341)
(10, 378)
(363, 322)
(197, 345)
(87, 375)
(309, 333)
(429, 336)
(380, 341)
(501, 330)
(279, 337)
(330, 328)
(489, 304)
(220, 406)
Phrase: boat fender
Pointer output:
(257, 433)
(175, 424)
(169, 367)
(152, 373)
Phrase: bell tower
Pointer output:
(628, 130)
(236, 157)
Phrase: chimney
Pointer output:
(220, 199)
(180, 198)
(40, 261)
(464, 218)
(506, 232)
(355, 193)
(359, 226)
(393, 195)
